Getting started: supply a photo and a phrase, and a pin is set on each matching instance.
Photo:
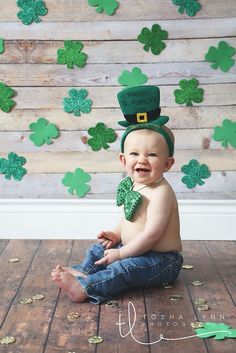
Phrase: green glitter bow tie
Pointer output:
(131, 199)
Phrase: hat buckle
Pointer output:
(142, 117)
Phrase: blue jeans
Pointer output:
(106, 281)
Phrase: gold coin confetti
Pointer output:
(175, 297)
(167, 286)
(200, 301)
(74, 315)
(13, 260)
(203, 307)
(95, 339)
(197, 283)
(38, 297)
(7, 340)
(112, 303)
(26, 301)
(187, 267)
(196, 324)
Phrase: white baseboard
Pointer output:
(83, 219)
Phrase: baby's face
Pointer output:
(146, 156)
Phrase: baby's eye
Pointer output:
(152, 155)
(133, 154)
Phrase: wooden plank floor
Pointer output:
(42, 327)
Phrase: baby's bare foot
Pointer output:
(55, 272)
(71, 287)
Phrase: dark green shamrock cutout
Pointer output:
(6, 93)
(134, 78)
(43, 132)
(189, 92)
(77, 102)
(31, 10)
(77, 182)
(226, 133)
(219, 331)
(153, 39)
(13, 166)
(127, 197)
(190, 6)
(221, 56)
(72, 54)
(109, 6)
(195, 173)
(101, 136)
(1, 46)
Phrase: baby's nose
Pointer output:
(142, 159)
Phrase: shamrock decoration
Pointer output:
(109, 6)
(221, 56)
(219, 330)
(1, 46)
(77, 182)
(31, 10)
(72, 54)
(153, 39)
(226, 133)
(190, 6)
(43, 132)
(131, 79)
(101, 137)
(6, 93)
(188, 92)
(77, 102)
(131, 199)
(195, 173)
(13, 166)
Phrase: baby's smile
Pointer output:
(142, 171)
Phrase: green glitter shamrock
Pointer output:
(101, 137)
(190, 6)
(134, 78)
(77, 102)
(6, 93)
(153, 39)
(221, 56)
(188, 92)
(72, 54)
(13, 166)
(226, 133)
(109, 6)
(195, 173)
(43, 132)
(1, 46)
(77, 182)
(219, 330)
(31, 10)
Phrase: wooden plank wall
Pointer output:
(29, 66)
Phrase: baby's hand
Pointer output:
(110, 256)
(108, 239)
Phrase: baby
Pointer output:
(143, 250)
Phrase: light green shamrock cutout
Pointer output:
(221, 56)
(43, 132)
(226, 133)
(219, 331)
(77, 182)
(101, 136)
(190, 6)
(6, 93)
(31, 10)
(153, 39)
(77, 102)
(109, 6)
(189, 92)
(131, 79)
(2, 49)
(72, 54)
(194, 173)
(13, 166)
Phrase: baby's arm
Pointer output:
(110, 238)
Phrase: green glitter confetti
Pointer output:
(13, 166)
(2, 49)
(31, 10)
(189, 92)
(72, 54)
(194, 173)
(101, 136)
(190, 6)
(6, 93)
(77, 103)
(153, 39)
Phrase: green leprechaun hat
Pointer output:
(141, 108)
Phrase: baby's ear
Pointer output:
(122, 159)
(170, 161)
